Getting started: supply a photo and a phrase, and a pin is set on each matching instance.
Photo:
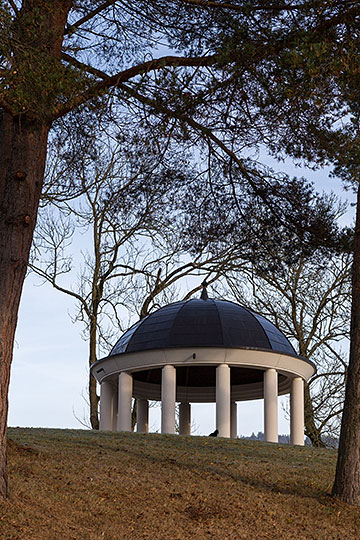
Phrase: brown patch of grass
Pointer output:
(83, 485)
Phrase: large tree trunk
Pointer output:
(38, 33)
(347, 479)
(22, 162)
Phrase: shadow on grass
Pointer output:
(255, 463)
(260, 482)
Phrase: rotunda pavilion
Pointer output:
(201, 351)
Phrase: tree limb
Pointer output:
(234, 7)
(70, 28)
(52, 280)
(82, 66)
(115, 81)
(207, 132)
(13, 5)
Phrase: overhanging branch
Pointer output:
(208, 134)
(115, 81)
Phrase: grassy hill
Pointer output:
(83, 485)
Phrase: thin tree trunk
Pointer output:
(93, 397)
(311, 430)
(22, 161)
(94, 403)
(347, 478)
(134, 415)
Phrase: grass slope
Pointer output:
(83, 485)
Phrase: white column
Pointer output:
(106, 406)
(185, 418)
(233, 429)
(125, 395)
(168, 396)
(297, 411)
(142, 413)
(223, 400)
(271, 405)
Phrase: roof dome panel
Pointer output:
(203, 323)
(240, 327)
(195, 322)
(277, 339)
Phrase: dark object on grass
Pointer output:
(214, 433)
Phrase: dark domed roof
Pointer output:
(203, 323)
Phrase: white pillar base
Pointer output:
(106, 406)
(223, 400)
(168, 396)
(271, 405)
(125, 396)
(233, 429)
(142, 413)
(297, 412)
(185, 419)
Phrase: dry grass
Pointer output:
(82, 485)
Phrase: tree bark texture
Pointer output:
(23, 146)
(22, 162)
(347, 478)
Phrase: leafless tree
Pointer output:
(126, 220)
(309, 301)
